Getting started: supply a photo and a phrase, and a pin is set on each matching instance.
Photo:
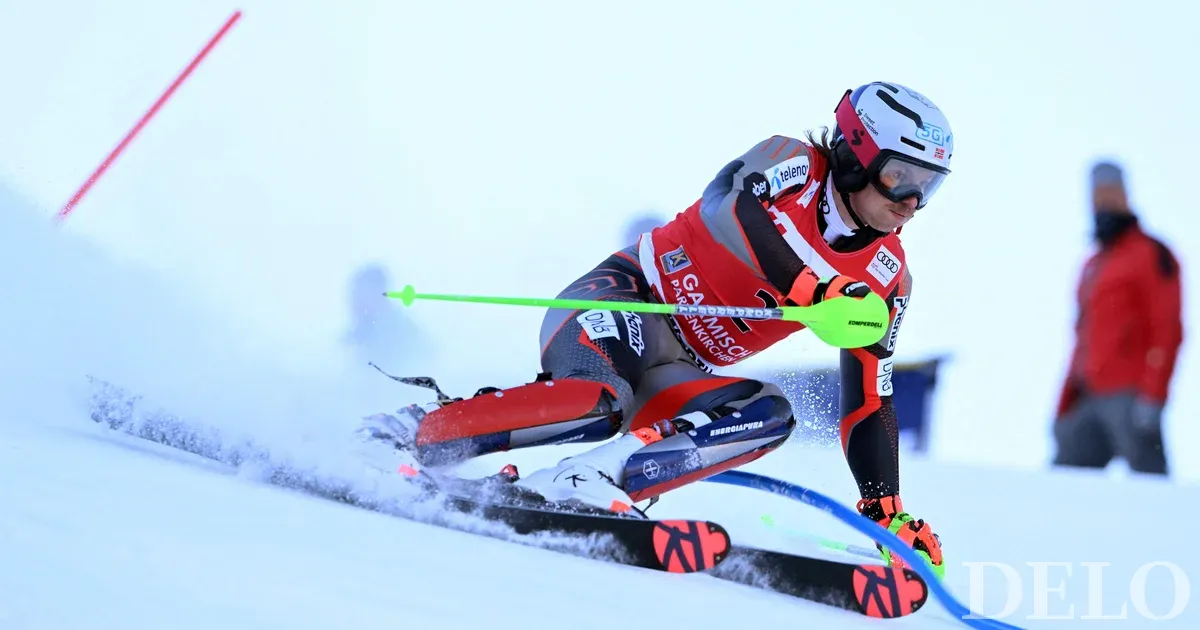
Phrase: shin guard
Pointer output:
(534, 414)
(707, 449)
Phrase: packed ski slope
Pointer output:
(98, 530)
(104, 531)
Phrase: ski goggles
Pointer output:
(898, 177)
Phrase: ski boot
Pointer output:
(592, 481)
(889, 513)
(398, 431)
(386, 443)
(389, 441)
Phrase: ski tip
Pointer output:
(688, 546)
(888, 592)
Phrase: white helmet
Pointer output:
(892, 137)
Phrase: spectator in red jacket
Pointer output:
(1128, 333)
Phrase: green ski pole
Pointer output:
(857, 550)
(842, 322)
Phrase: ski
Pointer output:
(673, 546)
(873, 590)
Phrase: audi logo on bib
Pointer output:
(884, 266)
(887, 261)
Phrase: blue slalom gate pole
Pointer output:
(867, 527)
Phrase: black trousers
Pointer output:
(1101, 427)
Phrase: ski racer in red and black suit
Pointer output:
(787, 223)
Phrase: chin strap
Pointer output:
(863, 228)
(854, 180)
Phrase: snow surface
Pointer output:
(99, 530)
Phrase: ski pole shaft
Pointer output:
(408, 295)
(857, 550)
(842, 322)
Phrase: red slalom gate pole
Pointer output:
(162, 99)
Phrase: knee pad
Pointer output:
(704, 450)
(535, 414)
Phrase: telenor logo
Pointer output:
(791, 172)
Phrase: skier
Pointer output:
(787, 223)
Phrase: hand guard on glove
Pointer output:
(888, 512)
(809, 289)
